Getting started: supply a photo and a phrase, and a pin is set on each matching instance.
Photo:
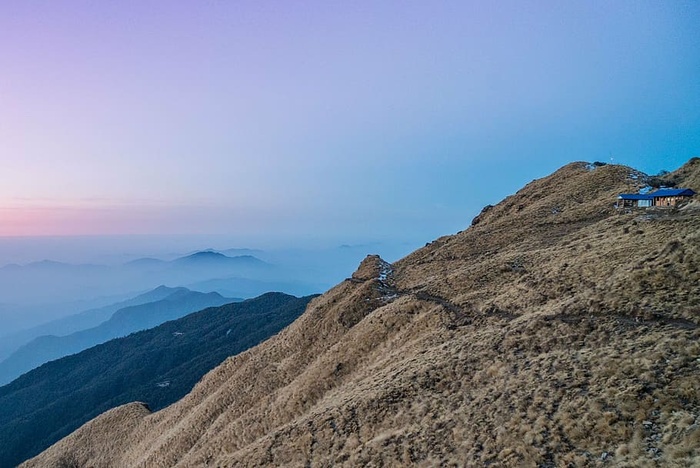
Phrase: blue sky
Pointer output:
(329, 120)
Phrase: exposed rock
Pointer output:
(370, 268)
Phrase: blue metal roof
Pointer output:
(673, 193)
(635, 196)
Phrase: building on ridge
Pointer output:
(662, 197)
(671, 197)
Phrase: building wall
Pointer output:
(669, 201)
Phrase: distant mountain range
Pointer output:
(156, 366)
(205, 259)
(53, 282)
(81, 321)
(170, 304)
(246, 287)
(39, 292)
(16, 318)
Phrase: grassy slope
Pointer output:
(555, 331)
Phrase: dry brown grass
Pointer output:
(555, 332)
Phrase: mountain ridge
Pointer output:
(85, 319)
(554, 331)
(65, 282)
(176, 303)
(156, 366)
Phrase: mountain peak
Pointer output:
(206, 254)
(372, 267)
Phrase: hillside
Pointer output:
(177, 303)
(555, 331)
(156, 366)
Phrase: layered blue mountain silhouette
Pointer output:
(175, 303)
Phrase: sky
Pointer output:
(326, 119)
